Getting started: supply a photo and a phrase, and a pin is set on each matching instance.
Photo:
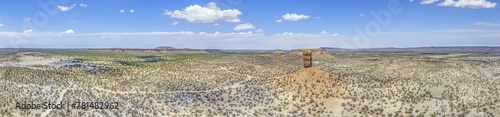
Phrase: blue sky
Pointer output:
(248, 24)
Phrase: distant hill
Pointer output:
(164, 47)
(213, 51)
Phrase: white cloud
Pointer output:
(175, 23)
(260, 30)
(70, 31)
(294, 17)
(183, 39)
(28, 30)
(428, 1)
(132, 10)
(27, 19)
(447, 3)
(210, 13)
(279, 20)
(83, 5)
(143, 33)
(412, 0)
(66, 8)
(486, 24)
(324, 32)
(63, 8)
(1, 24)
(216, 24)
(244, 26)
(309, 35)
(122, 11)
(246, 40)
(468, 31)
(474, 4)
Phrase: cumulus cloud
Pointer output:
(260, 30)
(1, 24)
(324, 32)
(175, 23)
(209, 13)
(486, 24)
(244, 26)
(294, 17)
(27, 19)
(468, 31)
(70, 31)
(28, 30)
(66, 8)
(216, 24)
(83, 5)
(468, 4)
(122, 11)
(132, 10)
(428, 1)
(473, 4)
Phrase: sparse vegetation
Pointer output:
(254, 84)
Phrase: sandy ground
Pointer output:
(306, 84)
(29, 60)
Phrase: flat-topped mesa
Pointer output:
(279, 51)
(314, 51)
(307, 58)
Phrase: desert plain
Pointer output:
(352, 84)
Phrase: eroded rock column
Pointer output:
(307, 58)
